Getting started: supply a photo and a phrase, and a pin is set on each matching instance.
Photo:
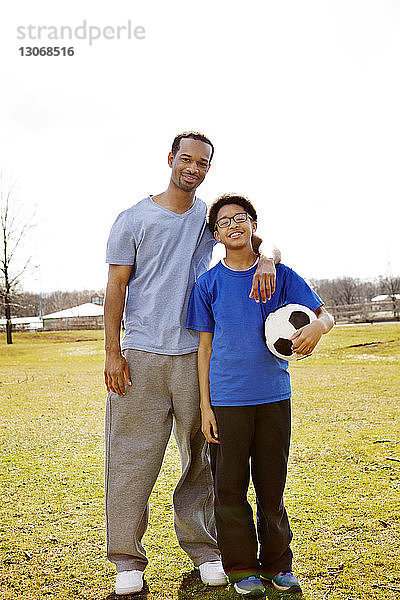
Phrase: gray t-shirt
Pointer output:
(168, 252)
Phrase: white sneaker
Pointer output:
(212, 573)
(129, 582)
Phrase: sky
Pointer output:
(300, 97)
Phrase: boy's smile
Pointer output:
(235, 234)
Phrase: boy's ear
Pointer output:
(170, 159)
(254, 226)
(217, 236)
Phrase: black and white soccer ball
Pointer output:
(281, 324)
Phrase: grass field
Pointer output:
(342, 493)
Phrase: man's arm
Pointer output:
(208, 421)
(264, 277)
(116, 370)
(306, 338)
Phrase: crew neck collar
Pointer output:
(250, 271)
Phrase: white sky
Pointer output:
(301, 98)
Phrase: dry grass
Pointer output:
(342, 493)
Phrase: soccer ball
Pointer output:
(281, 324)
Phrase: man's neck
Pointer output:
(240, 260)
(175, 199)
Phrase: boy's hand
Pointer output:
(209, 425)
(264, 278)
(306, 338)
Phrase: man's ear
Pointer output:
(254, 226)
(170, 159)
(217, 236)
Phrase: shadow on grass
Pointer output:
(192, 588)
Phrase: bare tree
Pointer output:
(347, 290)
(14, 226)
(59, 300)
(341, 291)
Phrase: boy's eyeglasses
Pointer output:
(226, 221)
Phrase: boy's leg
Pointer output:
(270, 452)
(237, 538)
(193, 496)
(138, 426)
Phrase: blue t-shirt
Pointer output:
(242, 369)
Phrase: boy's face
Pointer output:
(237, 235)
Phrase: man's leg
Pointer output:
(138, 426)
(193, 496)
(270, 452)
(230, 461)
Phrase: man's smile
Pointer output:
(189, 178)
(235, 234)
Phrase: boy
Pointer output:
(245, 400)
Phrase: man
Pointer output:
(156, 251)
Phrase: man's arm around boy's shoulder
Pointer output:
(264, 278)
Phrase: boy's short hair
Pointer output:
(194, 135)
(229, 199)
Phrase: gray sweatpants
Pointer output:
(164, 395)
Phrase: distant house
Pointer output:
(385, 298)
(23, 323)
(97, 299)
(84, 316)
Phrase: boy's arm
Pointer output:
(306, 338)
(208, 421)
(264, 277)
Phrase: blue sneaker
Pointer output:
(251, 586)
(285, 581)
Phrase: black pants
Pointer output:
(252, 439)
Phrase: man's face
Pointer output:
(235, 235)
(190, 164)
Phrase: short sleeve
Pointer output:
(299, 292)
(200, 317)
(121, 245)
(210, 239)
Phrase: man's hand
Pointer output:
(116, 373)
(264, 278)
(116, 370)
(306, 338)
(209, 425)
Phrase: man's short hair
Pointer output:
(194, 135)
(229, 199)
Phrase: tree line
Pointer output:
(345, 291)
(27, 304)
(334, 292)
